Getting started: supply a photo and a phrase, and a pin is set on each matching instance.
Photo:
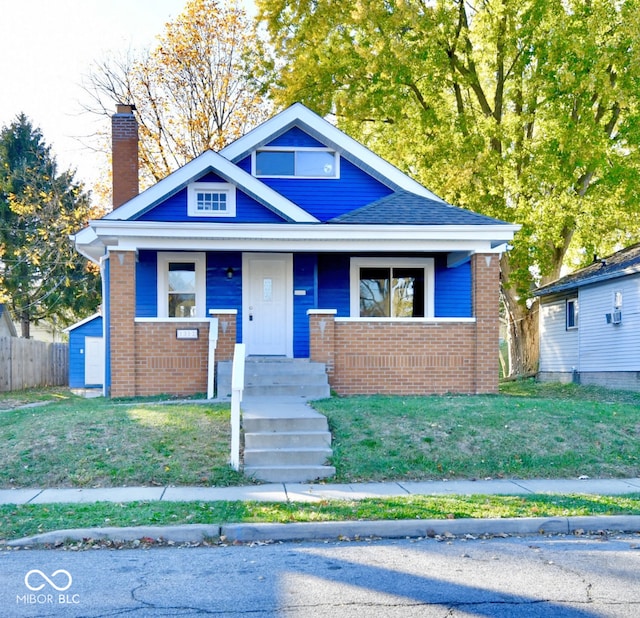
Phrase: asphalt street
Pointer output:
(531, 576)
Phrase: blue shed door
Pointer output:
(267, 290)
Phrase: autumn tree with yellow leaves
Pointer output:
(191, 92)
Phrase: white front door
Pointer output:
(94, 361)
(267, 306)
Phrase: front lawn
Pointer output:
(530, 430)
(76, 442)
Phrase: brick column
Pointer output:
(485, 269)
(322, 338)
(122, 311)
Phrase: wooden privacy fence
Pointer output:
(26, 363)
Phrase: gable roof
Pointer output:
(406, 208)
(210, 161)
(620, 264)
(297, 115)
(412, 214)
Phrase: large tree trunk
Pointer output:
(522, 327)
(522, 337)
(25, 325)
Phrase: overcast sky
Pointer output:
(47, 46)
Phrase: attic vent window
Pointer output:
(211, 199)
(296, 163)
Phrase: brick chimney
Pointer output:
(124, 154)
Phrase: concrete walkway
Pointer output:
(336, 530)
(303, 492)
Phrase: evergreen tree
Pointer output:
(41, 274)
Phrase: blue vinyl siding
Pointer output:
(248, 210)
(296, 138)
(452, 290)
(147, 285)
(326, 198)
(304, 279)
(77, 350)
(333, 283)
(222, 292)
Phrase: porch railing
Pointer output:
(237, 388)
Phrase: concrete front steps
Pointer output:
(277, 377)
(285, 440)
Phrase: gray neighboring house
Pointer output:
(590, 324)
(7, 327)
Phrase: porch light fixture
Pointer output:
(229, 273)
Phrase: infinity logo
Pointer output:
(51, 583)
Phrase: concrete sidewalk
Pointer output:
(303, 492)
(336, 530)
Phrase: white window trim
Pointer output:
(391, 262)
(214, 187)
(200, 260)
(576, 313)
(336, 158)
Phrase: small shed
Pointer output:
(86, 353)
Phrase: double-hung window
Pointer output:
(181, 285)
(572, 313)
(382, 288)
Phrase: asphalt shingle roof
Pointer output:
(624, 262)
(406, 208)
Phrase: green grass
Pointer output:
(26, 520)
(76, 442)
(530, 430)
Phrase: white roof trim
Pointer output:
(322, 130)
(170, 236)
(210, 161)
(82, 322)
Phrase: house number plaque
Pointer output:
(186, 333)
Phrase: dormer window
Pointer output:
(295, 163)
(211, 199)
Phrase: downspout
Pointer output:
(105, 317)
(213, 343)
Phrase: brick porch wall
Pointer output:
(146, 356)
(168, 365)
(423, 357)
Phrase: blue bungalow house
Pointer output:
(303, 244)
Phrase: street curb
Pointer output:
(308, 531)
(189, 533)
